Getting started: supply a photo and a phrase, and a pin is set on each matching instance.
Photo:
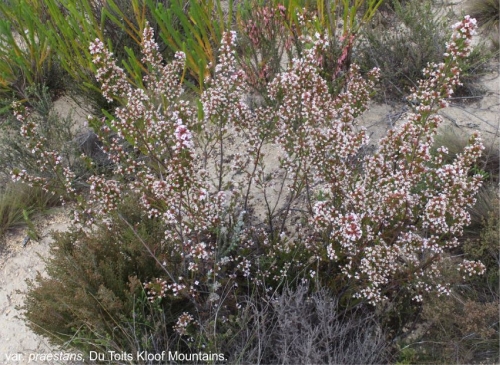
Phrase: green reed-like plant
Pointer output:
(194, 27)
(19, 203)
(71, 24)
(186, 26)
(25, 53)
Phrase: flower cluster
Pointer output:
(156, 289)
(112, 78)
(184, 320)
(47, 160)
(470, 268)
(407, 206)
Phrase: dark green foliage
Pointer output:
(93, 298)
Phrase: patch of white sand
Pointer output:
(18, 264)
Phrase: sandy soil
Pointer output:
(19, 263)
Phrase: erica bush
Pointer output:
(251, 199)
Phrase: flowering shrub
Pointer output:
(252, 196)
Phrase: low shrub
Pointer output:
(412, 35)
(94, 298)
(300, 326)
(234, 218)
(458, 330)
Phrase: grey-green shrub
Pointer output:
(401, 40)
(304, 326)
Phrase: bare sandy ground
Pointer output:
(18, 264)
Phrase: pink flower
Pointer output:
(351, 227)
(183, 136)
